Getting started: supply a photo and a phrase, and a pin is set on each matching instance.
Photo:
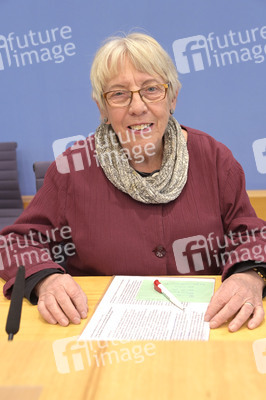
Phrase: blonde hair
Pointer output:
(143, 51)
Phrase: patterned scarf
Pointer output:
(162, 187)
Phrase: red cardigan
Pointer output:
(114, 234)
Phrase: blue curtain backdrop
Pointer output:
(46, 50)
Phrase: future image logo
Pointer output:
(200, 52)
(191, 254)
(259, 150)
(74, 355)
(198, 253)
(82, 150)
(36, 47)
(60, 145)
(4, 52)
(70, 354)
(191, 54)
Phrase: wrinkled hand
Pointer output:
(61, 300)
(233, 299)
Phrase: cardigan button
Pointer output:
(159, 251)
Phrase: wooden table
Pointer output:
(223, 368)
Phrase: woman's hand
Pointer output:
(61, 300)
(239, 296)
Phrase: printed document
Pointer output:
(132, 309)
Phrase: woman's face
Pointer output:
(139, 123)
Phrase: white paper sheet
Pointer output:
(132, 310)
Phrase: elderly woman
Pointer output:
(158, 199)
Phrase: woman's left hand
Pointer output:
(239, 296)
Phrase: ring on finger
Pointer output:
(249, 303)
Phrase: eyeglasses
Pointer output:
(148, 94)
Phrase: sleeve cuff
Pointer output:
(246, 266)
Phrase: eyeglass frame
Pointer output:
(165, 85)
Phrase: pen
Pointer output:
(162, 289)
